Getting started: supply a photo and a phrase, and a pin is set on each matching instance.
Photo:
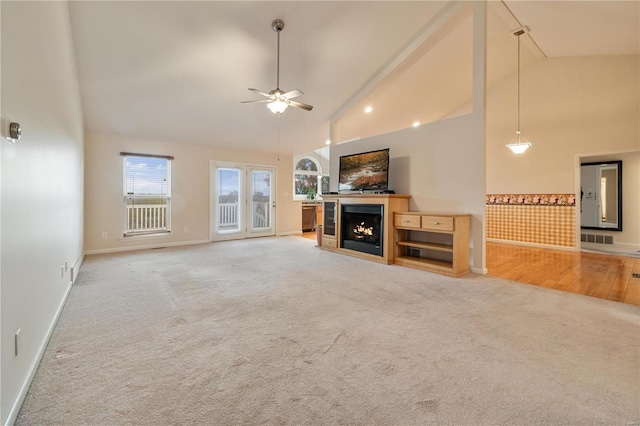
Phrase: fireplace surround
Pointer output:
(379, 244)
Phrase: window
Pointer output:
(147, 194)
(305, 178)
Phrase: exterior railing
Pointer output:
(260, 215)
(141, 218)
(228, 215)
(146, 218)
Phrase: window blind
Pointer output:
(146, 193)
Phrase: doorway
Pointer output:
(242, 201)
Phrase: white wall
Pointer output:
(571, 107)
(189, 191)
(42, 185)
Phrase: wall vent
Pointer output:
(596, 238)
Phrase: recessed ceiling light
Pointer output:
(368, 109)
(328, 142)
(416, 123)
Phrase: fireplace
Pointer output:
(362, 228)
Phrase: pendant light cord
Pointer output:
(278, 118)
(518, 88)
(278, 63)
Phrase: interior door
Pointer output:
(242, 201)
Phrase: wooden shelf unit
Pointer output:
(435, 242)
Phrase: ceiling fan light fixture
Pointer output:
(278, 100)
(278, 106)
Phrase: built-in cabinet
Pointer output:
(329, 223)
(435, 242)
(332, 232)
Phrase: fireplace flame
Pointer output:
(362, 231)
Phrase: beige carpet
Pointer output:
(277, 331)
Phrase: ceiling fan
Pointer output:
(277, 99)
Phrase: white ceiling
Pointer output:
(177, 71)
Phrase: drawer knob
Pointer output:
(405, 221)
(437, 223)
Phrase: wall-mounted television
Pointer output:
(366, 171)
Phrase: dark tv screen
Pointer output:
(364, 171)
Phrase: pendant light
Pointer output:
(519, 144)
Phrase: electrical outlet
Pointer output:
(16, 343)
(186, 229)
(104, 235)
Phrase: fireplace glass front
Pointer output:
(362, 228)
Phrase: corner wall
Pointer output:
(42, 186)
(189, 192)
(437, 164)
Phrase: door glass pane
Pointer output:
(229, 210)
(261, 199)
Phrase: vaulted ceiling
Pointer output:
(177, 71)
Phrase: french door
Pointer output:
(242, 201)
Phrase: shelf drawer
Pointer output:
(329, 242)
(407, 221)
(437, 223)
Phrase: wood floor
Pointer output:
(598, 275)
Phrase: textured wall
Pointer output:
(548, 219)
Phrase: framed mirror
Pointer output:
(601, 195)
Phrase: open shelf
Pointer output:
(410, 261)
(436, 242)
(426, 246)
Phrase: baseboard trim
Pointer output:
(480, 271)
(285, 234)
(145, 247)
(522, 243)
(621, 249)
(22, 394)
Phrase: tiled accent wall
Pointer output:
(550, 220)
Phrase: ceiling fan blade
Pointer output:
(261, 92)
(253, 102)
(300, 105)
(292, 94)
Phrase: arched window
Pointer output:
(306, 176)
